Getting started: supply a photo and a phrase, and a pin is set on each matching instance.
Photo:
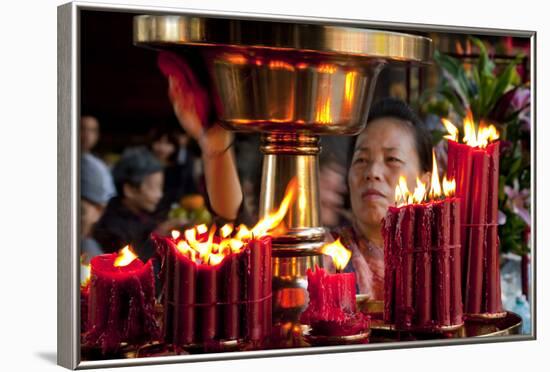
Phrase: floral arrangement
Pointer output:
(494, 95)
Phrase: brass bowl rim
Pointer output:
(162, 30)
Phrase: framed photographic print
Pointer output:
(246, 185)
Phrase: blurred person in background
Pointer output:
(96, 191)
(129, 218)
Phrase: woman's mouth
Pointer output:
(372, 194)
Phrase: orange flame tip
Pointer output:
(340, 255)
(125, 257)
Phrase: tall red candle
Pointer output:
(442, 289)
(493, 303)
(479, 198)
(423, 264)
(121, 303)
(455, 262)
(390, 267)
(459, 167)
(476, 238)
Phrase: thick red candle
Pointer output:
(442, 279)
(331, 310)
(121, 303)
(404, 237)
(455, 262)
(423, 264)
(477, 226)
(493, 302)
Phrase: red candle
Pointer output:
(455, 262)
(477, 225)
(481, 273)
(460, 168)
(218, 290)
(230, 296)
(390, 257)
(405, 246)
(331, 310)
(442, 289)
(206, 299)
(418, 242)
(256, 286)
(423, 264)
(493, 303)
(121, 301)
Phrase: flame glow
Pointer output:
(449, 187)
(272, 220)
(435, 185)
(201, 244)
(226, 230)
(484, 135)
(421, 194)
(125, 257)
(85, 275)
(340, 255)
(175, 234)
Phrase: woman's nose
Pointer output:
(374, 171)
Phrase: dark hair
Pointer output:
(132, 168)
(395, 108)
(169, 131)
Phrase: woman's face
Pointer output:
(384, 151)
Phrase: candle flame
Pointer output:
(451, 129)
(125, 257)
(435, 186)
(226, 230)
(215, 259)
(449, 187)
(272, 220)
(420, 194)
(175, 234)
(85, 275)
(185, 249)
(484, 135)
(340, 255)
(211, 249)
(202, 229)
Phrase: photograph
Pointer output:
(245, 186)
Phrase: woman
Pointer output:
(393, 144)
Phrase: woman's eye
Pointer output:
(359, 160)
(394, 159)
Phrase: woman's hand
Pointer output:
(192, 105)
